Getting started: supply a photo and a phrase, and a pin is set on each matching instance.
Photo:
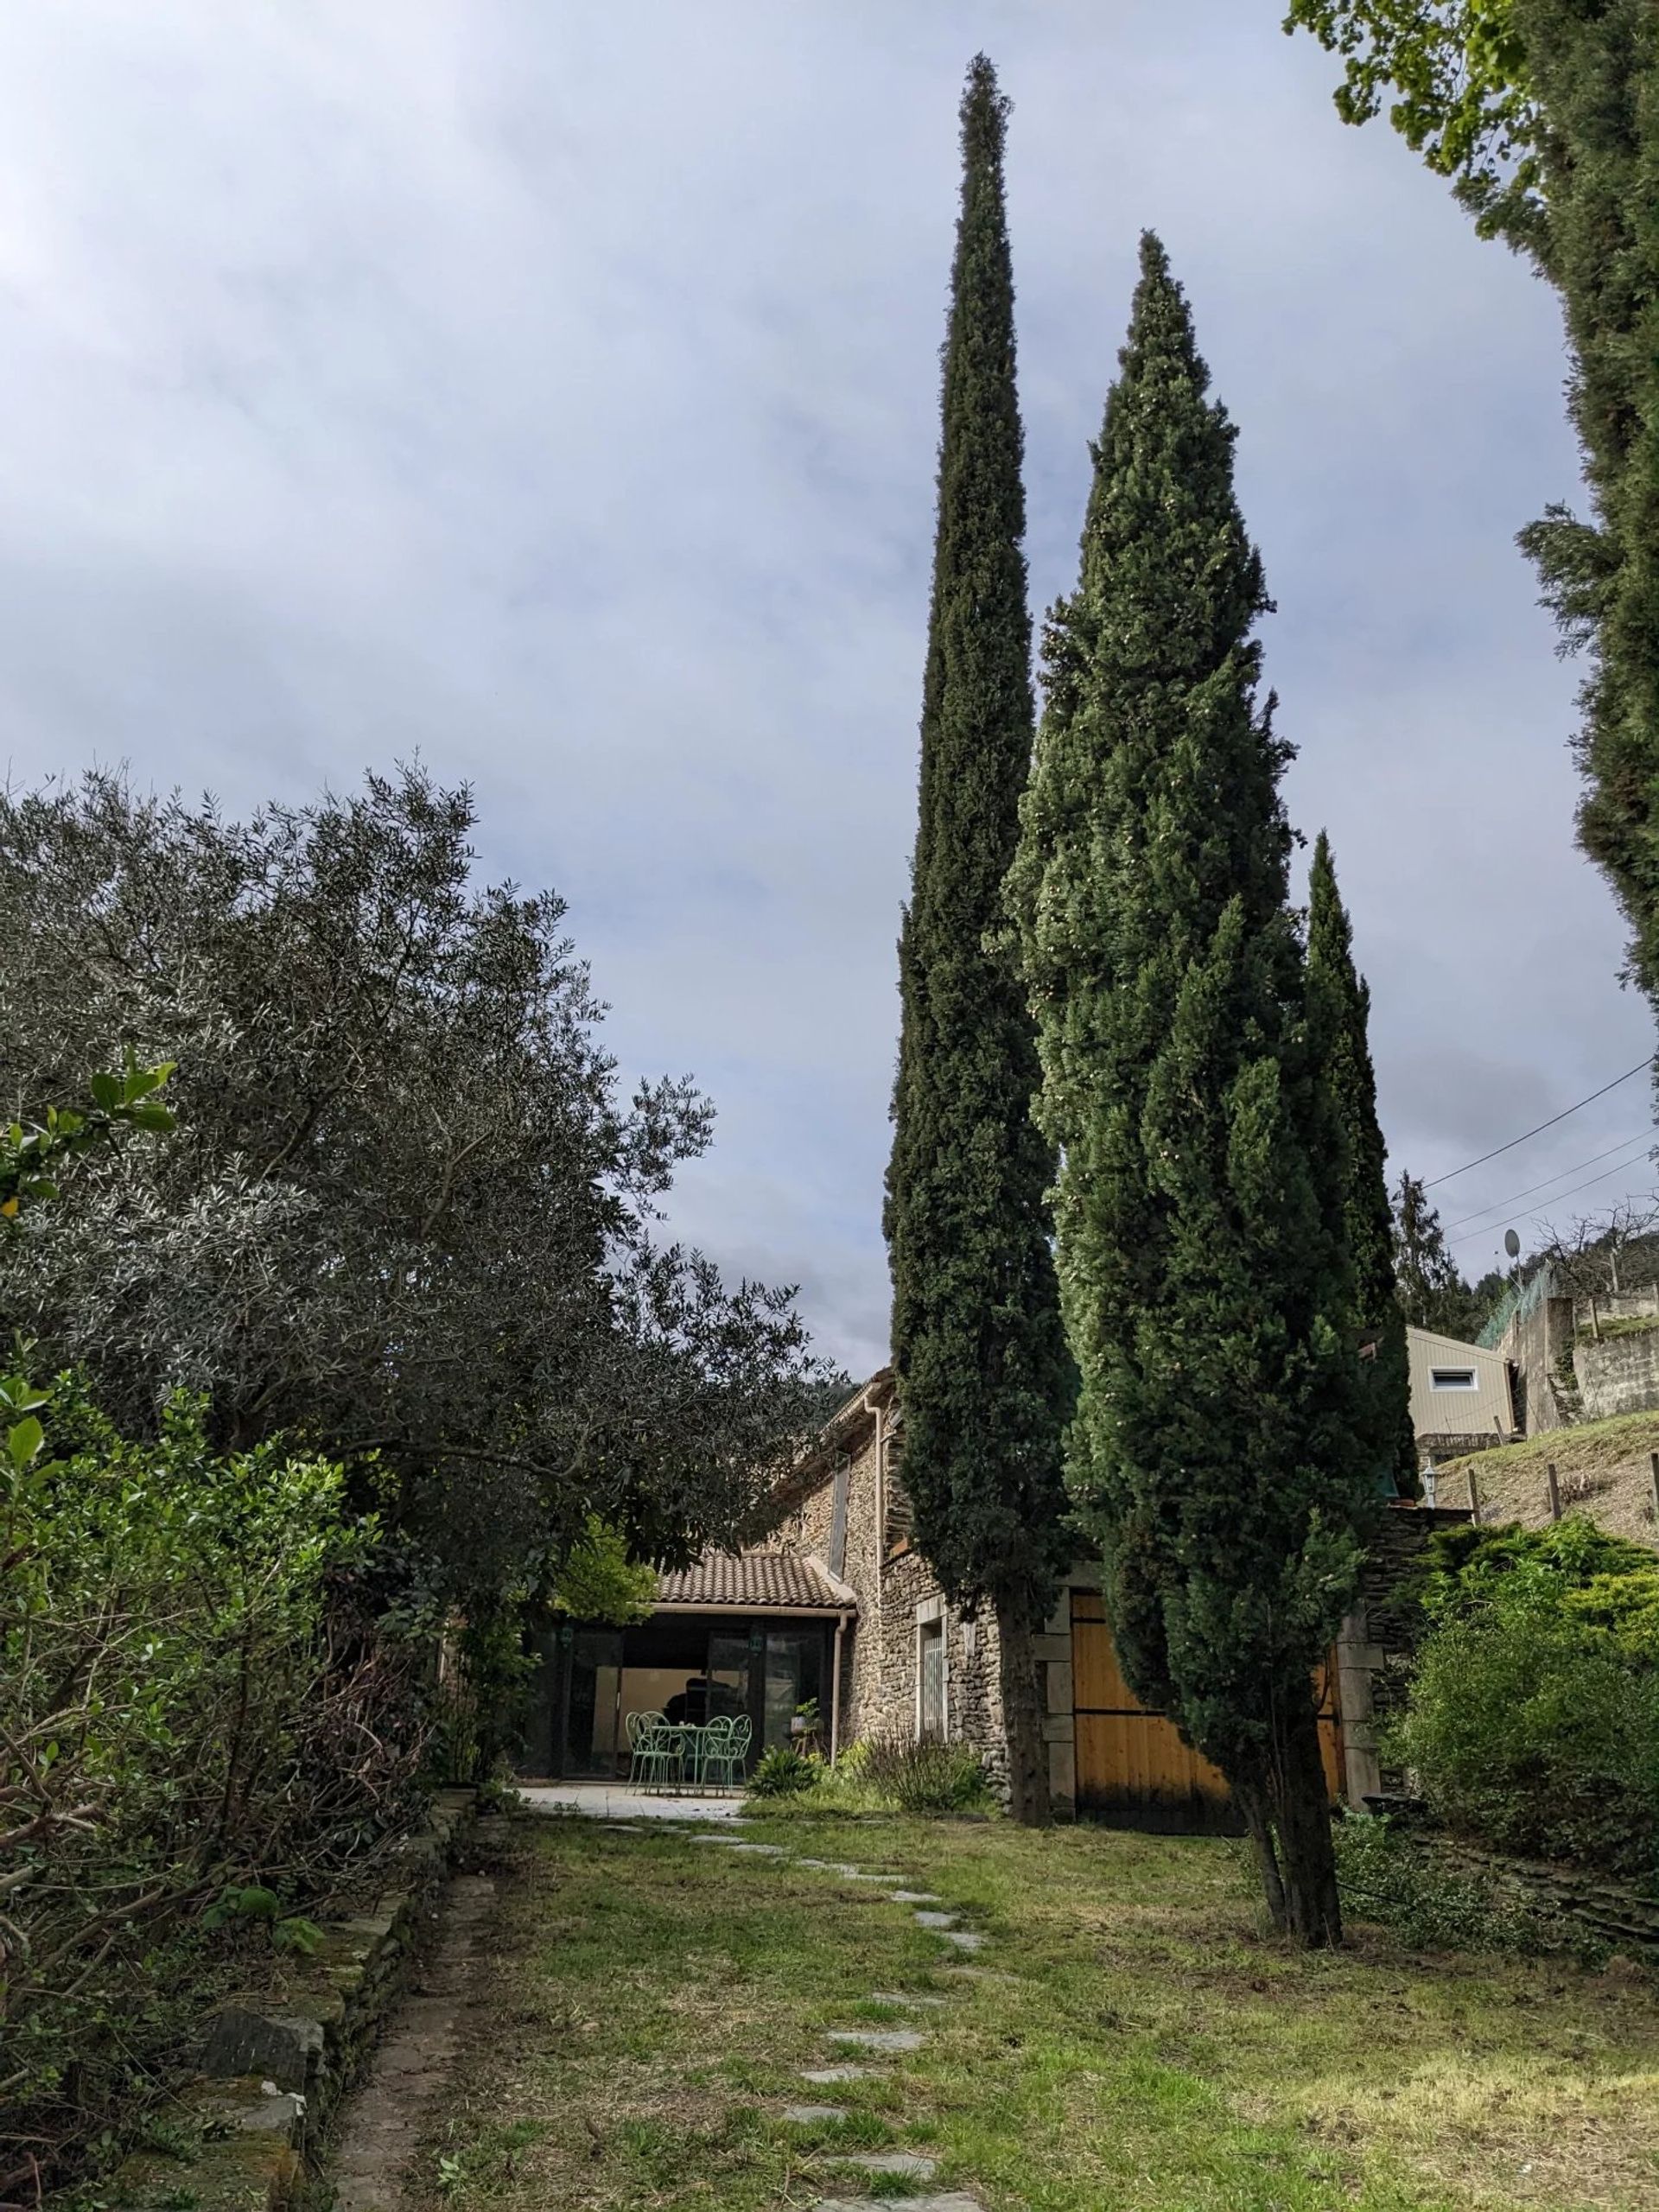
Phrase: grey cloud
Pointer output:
(553, 391)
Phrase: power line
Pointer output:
(1542, 1126)
(1537, 1213)
(1502, 1206)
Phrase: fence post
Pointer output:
(1595, 1322)
(1555, 1491)
(1474, 1494)
(1653, 1477)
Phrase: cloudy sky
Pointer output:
(550, 388)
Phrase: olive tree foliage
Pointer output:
(407, 1212)
(1461, 90)
(1546, 113)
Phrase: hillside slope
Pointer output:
(1603, 1467)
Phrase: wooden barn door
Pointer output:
(1132, 1766)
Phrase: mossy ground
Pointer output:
(1131, 2038)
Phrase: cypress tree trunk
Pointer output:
(1221, 1453)
(1022, 1721)
(978, 1348)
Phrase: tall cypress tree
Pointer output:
(1339, 1010)
(1217, 1452)
(978, 1349)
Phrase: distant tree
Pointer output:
(1615, 1250)
(1219, 1454)
(1432, 1291)
(978, 1349)
(1546, 112)
(1339, 1005)
(405, 1213)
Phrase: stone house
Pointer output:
(911, 1665)
(839, 1607)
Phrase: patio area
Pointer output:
(615, 1801)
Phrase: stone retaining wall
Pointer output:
(1617, 1913)
(275, 2064)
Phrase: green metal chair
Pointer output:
(642, 1757)
(726, 1751)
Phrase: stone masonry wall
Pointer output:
(897, 1594)
(1620, 1374)
(274, 2063)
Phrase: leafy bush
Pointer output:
(1533, 1722)
(1434, 1907)
(784, 1772)
(206, 1730)
(926, 1777)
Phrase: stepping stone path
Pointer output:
(908, 2163)
(953, 2200)
(908, 2166)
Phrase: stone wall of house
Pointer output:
(898, 1597)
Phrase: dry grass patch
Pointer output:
(1603, 1469)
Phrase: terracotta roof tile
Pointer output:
(757, 1579)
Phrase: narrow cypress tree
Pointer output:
(1217, 1452)
(1339, 1010)
(978, 1349)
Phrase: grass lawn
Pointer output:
(1129, 2042)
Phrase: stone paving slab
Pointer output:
(828, 1865)
(965, 1939)
(913, 1897)
(938, 1920)
(810, 2115)
(953, 2200)
(903, 1997)
(910, 2163)
(615, 1801)
(878, 2038)
(823, 2077)
(762, 1850)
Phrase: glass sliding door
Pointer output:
(794, 1677)
(593, 1729)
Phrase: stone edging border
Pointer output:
(271, 2077)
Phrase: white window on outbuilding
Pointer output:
(1452, 1378)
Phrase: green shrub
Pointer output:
(1434, 1907)
(1533, 1720)
(784, 1772)
(204, 1730)
(926, 1777)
